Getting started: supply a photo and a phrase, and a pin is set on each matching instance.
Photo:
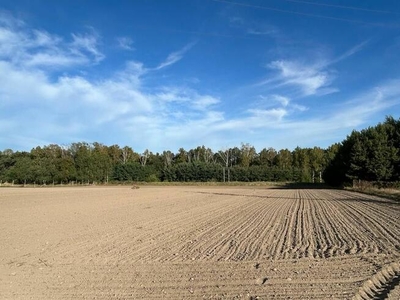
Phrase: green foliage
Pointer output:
(195, 171)
(267, 157)
(134, 172)
(152, 178)
(22, 171)
(371, 154)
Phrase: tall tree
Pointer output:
(248, 154)
(283, 159)
(144, 157)
(317, 163)
(267, 157)
(181, 156)
(167, 157)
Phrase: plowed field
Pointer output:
(197, 243)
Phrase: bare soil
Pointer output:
(197, 243)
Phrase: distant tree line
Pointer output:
(372, 154)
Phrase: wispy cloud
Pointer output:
(281, 99)
(190, 98)
(174, 57)
(252, 27)
(270, 31)
(350, 52)
(357, 110)
(276, 114)
(7, 19)
(308, 78)
(87, 43)
(125, 43)
(204, 102)
(236, 21)
(279, 103)
(31, 47)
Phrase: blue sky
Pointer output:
(168, 74)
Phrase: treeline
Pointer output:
(98, 163)
(372, 154)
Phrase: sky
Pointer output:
(161, 75)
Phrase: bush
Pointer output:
(152, 178)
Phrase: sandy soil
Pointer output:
(197, 243)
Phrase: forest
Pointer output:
(372, 154)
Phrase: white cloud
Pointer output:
(261, 32)
(359, 109)
(253, 27)
(185, 96)
(281, 99)
(308, 78)
(236, 21)
(7, 20)
(173, 94)
(204, 102)
(125, 43)
(350, 52)
(299, 107)
(53, 60)
(276, 113)
(278, 103)
(86, 43)
(37, 48)
(175, 57)
(132, 72)
(45, 39)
